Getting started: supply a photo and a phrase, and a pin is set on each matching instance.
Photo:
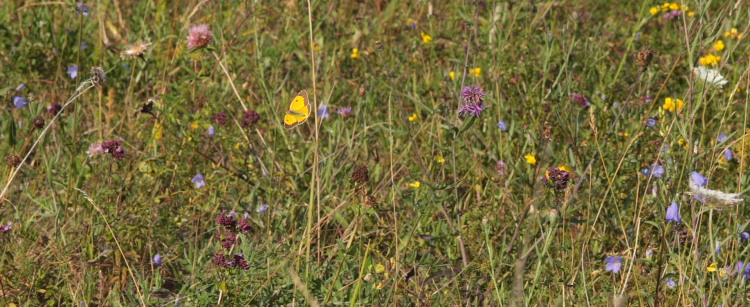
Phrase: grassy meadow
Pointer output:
(456, 153)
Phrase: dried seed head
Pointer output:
(98, 76)
(644, 57)
(546, 131)
(38, 122)
(135, 50)
(361, 174)
(13, 160)
(362, 90)
(378, 45)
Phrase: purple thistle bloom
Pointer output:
(698, 179)
(211, 131)
(671, 283)
(581, 100)
(472, 93)
(199, 181)
(323, 111)
(199, 36)
(82, 9)
(6, 228)
(502, 125)
(613, 264)
(471, 108)
(73, 71)
(651, 122)
(344, 111)
(157, 260)
(673, 213)
(262, 209)
(19, 102)
(722, 137)
(728, 154)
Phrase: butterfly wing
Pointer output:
(299, 110)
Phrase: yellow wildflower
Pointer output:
(531, 159)
(452, 74)
(684, 143)
(733, 34)
(709, 60)
(378, 286)
(413, 117)
(426, 38)
(379, 268)
(719, 45)
(674, 6)
(712, 268)
(665, 6)
(440, 159)
(672, 104)
(654, 10)
(194, 125)
(564, 168)
(415, 184)
(355, 53)
(691, 13)
(477, 72)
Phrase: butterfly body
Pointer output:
(299, 110)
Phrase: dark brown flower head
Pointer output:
(38, 122)
(360, 175)
(13, 160)
(581, 100)
(54, 108)
(221, 118)
(245, 226)
(239, 262)
(228, 221)
(378, 45)
(228, 241)
(644, 57)
(250, 118)
(220, 260)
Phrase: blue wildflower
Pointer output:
(19, 102)
(323, 111)
(157, 260)
(84, 45)
(744, 235)
(73, 71)
(502, 125)
(673, 213)
(199, 181)
(82, 9)
(722, 137)
(651, 122)
(211, 130)
(613, 264)
(20, 87)
(656, 170)
(698, 179)
(728, 154)
(671, 283)
(262, 209)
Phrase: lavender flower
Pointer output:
(211, 131)
(344, 111)
(502, 125)
(655, 170)
(199, 181)
(671, 283)
(673, 213)
(722, 137)
(6, 228)
(744, 235)
(82, 9)
(471, 108)
(73, 71)
(262, 209)
(698, 179)
(199, 36)
(472, 93)
(651, 122)
(728, 155)
(613, 264)
(19, 102)
(157, 260)
(323, 111)
(20, 87)
(95, 149)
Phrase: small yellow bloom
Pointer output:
(672, 104)
(691, 13)
(709, 60)
(723, 272)
(440, 159)
(564, 168)
(379, 268)
(194, 125)
(719, 45)
(674, 6)
(733, 34)
(426, 38)
(238, 145)
(712, 268)
(477, 72)
(665, 6)
(413, 117)
(654, 10)
(378, 286)
(452, 74)
(355, 53)
(415, 184)
(531, 159)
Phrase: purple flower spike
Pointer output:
(613, 264)
(698, 179)
(673, 213)
(199, 181)
(344, 111)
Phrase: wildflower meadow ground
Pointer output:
(374, 153)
